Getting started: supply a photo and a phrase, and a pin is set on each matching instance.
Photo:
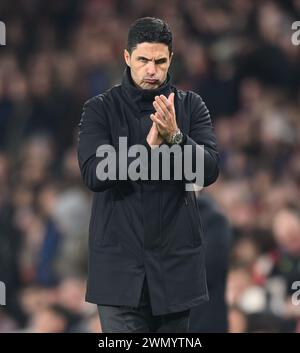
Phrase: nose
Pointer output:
(151, 69)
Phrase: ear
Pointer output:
(171, 57)
(127, 57)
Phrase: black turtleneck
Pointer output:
(144, 95)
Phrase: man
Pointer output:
(146, 263)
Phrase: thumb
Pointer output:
(153, 129)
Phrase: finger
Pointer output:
(162, 105)
(171, 99)
(153, 126)
(153, 114)
(167, 104)
(159, 110)
(155, 117)
(158, 121)
(156, 114)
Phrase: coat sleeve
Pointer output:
(94, 131)
(202, 133)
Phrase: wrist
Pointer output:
(177, 138)
(169, 137)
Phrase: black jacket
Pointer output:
(140, 228)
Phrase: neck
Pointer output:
(139, 93)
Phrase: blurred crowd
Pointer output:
(238, 55)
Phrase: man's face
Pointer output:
(149, 64)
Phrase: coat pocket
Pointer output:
(194, 218)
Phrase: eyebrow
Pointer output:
(157, 61)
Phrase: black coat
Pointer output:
(140, 228)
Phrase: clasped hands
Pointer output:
(164, 120)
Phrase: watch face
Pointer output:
(178, 138)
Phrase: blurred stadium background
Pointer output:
(239, 57)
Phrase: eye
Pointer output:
(161, 61)
(143, 60)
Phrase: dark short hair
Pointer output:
(151, 30)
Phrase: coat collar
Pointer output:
(144, 98)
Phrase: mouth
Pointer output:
(150, 80)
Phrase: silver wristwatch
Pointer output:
(176, 138)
